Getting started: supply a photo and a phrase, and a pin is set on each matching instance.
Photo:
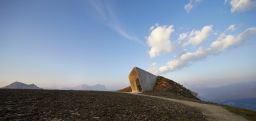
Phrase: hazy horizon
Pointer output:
(58, 44)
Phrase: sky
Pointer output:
(63, 43)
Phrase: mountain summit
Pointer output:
(20, 85)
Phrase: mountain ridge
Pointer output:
(20, 85)
(96, 87)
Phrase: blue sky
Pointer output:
(64, 43)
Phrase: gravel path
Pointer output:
(212, 112)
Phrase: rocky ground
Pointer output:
(56, 105)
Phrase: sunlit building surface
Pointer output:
(141, 80)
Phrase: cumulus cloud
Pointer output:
(219, 45)
(159, 40)
(182, 60)
(195, 37)
(225, 41)
(242, 5)
(188, 7)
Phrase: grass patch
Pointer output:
(248, 114)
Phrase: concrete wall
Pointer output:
(133, 76)
(146, 80)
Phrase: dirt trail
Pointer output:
(212, 112)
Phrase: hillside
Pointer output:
(126, 89)
(166, 87)
(90, 106)
(20, 85)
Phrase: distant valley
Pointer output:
(238, 94)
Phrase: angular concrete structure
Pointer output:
(141, 80)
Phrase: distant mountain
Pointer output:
(241, 90)
(237, 94)
(247, 103)
(96, 87)
(20, 85)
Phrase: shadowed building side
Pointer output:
(141, 80)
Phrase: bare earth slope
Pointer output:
(49, 105)
(212, 112)
(164, 86)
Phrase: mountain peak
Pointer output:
(20, 85)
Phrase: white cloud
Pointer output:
(188, 7)
(220, 44)
(182, 60)
(225, 41)
(242, 5)
(121, 31)
(231, 28)
(247, 34)
(109, 18)
(195, 37)
(153, 68)
(159, 40)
